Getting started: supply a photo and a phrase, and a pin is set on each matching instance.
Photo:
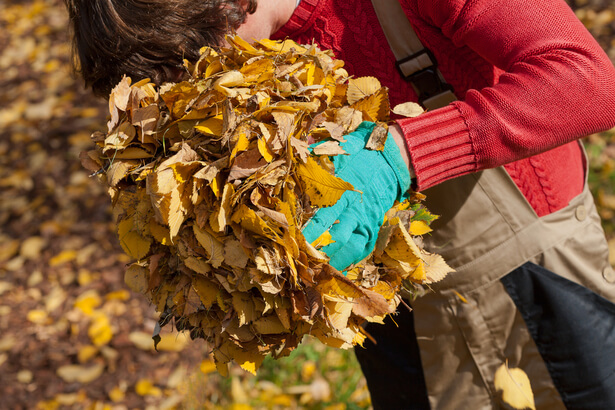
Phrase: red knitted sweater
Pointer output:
(530, 78)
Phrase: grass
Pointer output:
(312, 377)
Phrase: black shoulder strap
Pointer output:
(415, 63)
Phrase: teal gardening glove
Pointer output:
(382, 177)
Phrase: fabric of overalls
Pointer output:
(534, 293)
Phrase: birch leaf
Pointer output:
(419, 228)
(329, 148)
(211, 126)
(359, 88)
(207, 291)
(323, 188)
(371, 305)
(408, 109)
(515, 387)
(135, 245)
(436, 268)
(213, 247)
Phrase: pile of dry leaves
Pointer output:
(212, 180)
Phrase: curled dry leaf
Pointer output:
(212, 180)
(408, 109)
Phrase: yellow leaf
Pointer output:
(215, 186)
(323, 188)
(234, 254)
(329, 148)
(100, 331)
(248, 360)
(270, 325)
(145, 387)
(214, 68)
(339, 313)
(460, 296)
(229, 79)
(264, 150)
(249, 220)
(137, 278)
(168, 199)
(182, 172)
(359, 88)
(211, 126)
(339, 286)
(142, 340)
(121, 137)
(86, 353)
(198, 265)
(31, 247)
(8, 249)
(244, 307)
(375, 107)
(218, 219)
(88, 301)
(178, 96)
(121, 294)
(323, 240)
(515, 387)
(207, 366)
(131, 152)
(207, 290)
(259, 70)
(213, 247)
(119, 169)
(436, 268)
(282, 46)
(82, 374)
(117, 394)
(37, 316)
(241, 145)
(135, 245)
(419, 228)
(178, 209)
(222, 368)
(62, 258)
(419, 274)
(172, 342)
(402, 248)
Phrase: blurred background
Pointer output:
(71, 334)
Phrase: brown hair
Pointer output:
(146, 38)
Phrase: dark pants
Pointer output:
(573, 328)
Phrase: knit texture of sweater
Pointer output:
(530, 79)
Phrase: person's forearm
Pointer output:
(398, 136)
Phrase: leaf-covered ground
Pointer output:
(71, 334)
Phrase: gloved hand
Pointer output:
(382, 176)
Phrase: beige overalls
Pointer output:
(487, 229)
(469, 325)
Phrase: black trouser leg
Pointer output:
(392, 367)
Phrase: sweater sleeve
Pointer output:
(558, 85)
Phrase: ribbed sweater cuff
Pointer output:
(439, 145)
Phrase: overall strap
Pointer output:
(415, 63)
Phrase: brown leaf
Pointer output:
(378, 137)
(371, 305)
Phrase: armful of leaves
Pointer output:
(211, 181)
